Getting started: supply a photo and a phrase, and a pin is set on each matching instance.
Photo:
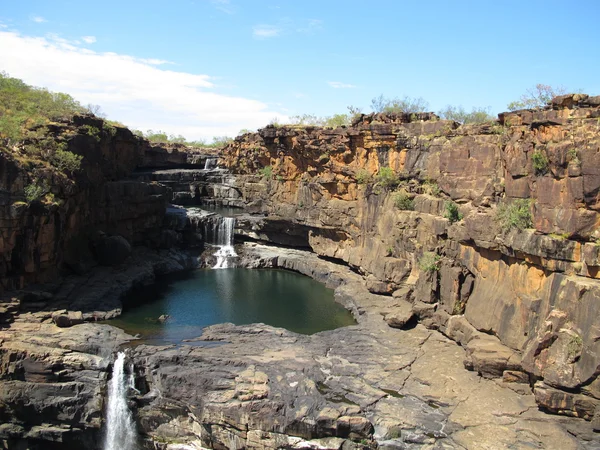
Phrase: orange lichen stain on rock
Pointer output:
(523, 278)
(372, 163)
(397, 159)
(547, 134)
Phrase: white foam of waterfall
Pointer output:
(120, 427)
(223, 233)
(210, 163)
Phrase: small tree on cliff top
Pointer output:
(459, 114)
(405, 104)
(537, 97)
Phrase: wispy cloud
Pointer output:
(266, 31)
(132, 90)
(340, 85)
(286, 26)
(312, 26)
(38, 19)
(88, 39)
(223, 6)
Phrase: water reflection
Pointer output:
(242, 296)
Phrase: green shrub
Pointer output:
(399, 105)
(429, 262)
(403, 201)
(573, 156)
(91, 131)
(221, 141)
(459, 114)
(430, 187)
(35, 191)
(386, 177)
(452, 212)
(363, 176)
(266, 172)
(537, 97)
(540, 162)
(65, 160)
(515, 214)
(110, 129)
(23, 106)
(574, 346)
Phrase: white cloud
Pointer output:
(266, 31)
(131, 90)
(340, 85)
(311, 27)
(38, 19)
(223, 6)
(88, 39)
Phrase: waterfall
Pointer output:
(120, 428)
(210, 163)
(223, 236)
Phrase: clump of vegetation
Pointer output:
(220, 141)
(35, 191)
(363, 176)
(458, 308)
(91, 131)
(66, 161)
(386, 177)
(403, 201)
(161, 137)
(266, 172)
(429, 262)
(574, 346)
(399, 105)
(452, 212)
(573, 156)
(459, 114)
(537, 97)
(23, 107)
(515, 214)
(540, 162)
(109, 129)
(430, 187)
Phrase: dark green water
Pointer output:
(242, 296)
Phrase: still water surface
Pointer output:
(242, 296)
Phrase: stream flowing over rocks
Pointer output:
(469, 334)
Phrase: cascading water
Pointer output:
(210, 163)
(223, 235)
(120, 427)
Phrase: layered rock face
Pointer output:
(38, 238)
(522, 300)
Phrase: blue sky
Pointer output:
(211, 67)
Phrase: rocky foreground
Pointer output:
(259, 387)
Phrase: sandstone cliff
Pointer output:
(522, 301)
(67, 227)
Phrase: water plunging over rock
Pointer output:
(120, 427)
(223, 237)
(210, 163)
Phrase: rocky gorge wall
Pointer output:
(523, 302)
(68, 227)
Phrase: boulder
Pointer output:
(67, 319)
(112, 250)
(400, 315)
